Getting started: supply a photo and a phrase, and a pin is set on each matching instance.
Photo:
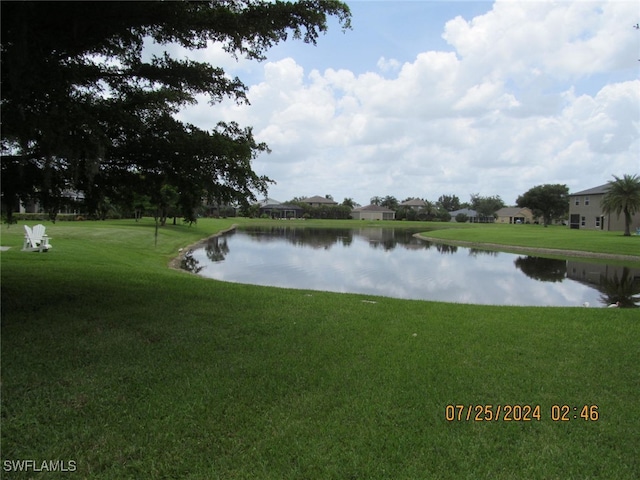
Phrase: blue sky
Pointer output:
(425, 98)
(390, 29)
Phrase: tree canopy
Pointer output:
(623, 196)
(548, 201)
(82, 108)
(449, 202)
(486, 206)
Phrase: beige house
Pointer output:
(514, 215)
(585, 211)
(373, 212)
(318, 201)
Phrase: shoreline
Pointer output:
(515, 248)
(175, 262)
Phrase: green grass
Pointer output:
(134, 370)
(537, 236)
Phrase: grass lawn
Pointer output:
(537, 236)
(132, 370)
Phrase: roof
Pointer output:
(319, 199)
(510, 211)
(416, 202)
(372, 208)
(281, 206)
(601, 190)
(269, 201)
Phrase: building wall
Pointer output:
(34, 207)
(585, 212)
(364, 215)
(524, 215)
(593, 273)
(372, 215)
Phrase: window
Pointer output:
(577, 200)
(597, 222)
(583, 221)
(586, 200)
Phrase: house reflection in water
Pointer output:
(615, 283)
(395, 263)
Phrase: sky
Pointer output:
(430, 98)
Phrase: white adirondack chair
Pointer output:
(35, 240)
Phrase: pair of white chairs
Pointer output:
(35, 240)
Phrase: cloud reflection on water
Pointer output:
(393, 263)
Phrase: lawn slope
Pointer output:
(134, 370)
(558, 239)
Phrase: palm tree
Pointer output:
(623, 196)
(390, 202)
(349, 202)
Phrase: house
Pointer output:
(215, 210)
(472, 215)
(319, 201)
(275, 209)
(585, 211)
(269, 201)
(71, 202)
(415, 204)
(514, 215)
(373, 212)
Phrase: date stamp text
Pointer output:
(519, 413)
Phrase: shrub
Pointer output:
(443, 216)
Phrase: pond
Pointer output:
(394, 263)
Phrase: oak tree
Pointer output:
(486, 206)
(83, 108)
(548, 201)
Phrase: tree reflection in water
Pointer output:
(189, 263)
(357, 260)
(446, 249)
(624, 289)
(476, 252)
(543, 269)
(217, 248)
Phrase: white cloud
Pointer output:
(558, 39)
(486, 96)
(388, 65)
(496, 116)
